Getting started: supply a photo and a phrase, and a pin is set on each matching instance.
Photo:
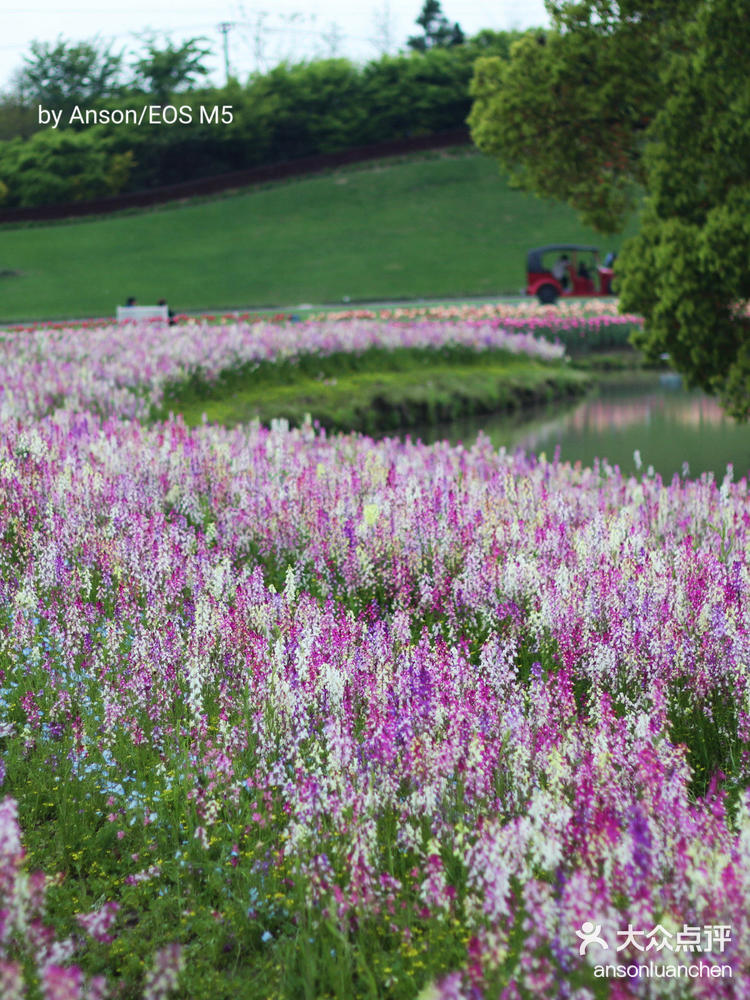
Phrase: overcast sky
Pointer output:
(260, 35)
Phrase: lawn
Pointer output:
(445, 225)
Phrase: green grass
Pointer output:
(376, 391)
(445, 225)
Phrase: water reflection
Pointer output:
(655, 415)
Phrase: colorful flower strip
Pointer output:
(123, 370)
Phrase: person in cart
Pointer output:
(560, 270)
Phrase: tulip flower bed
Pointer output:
(580, 327)
(285, 715)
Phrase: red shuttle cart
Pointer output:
(566, 270)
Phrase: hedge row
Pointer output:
(292, 112)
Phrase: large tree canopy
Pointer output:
(621, 98)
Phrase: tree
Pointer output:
(163, 71)
(567, 114)
(624, 98)
(688, 270)
(438, 33)
(69, 73)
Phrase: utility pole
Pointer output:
(224, 28)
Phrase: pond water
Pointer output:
(652, 413)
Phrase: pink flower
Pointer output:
(59, 983)
(99, 922)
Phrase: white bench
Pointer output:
(126, 314)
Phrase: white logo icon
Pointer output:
(590, 934)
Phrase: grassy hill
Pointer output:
(444, 225)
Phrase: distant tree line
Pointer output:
(290, 112)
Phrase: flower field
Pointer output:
(285, 715)
(123, 370)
